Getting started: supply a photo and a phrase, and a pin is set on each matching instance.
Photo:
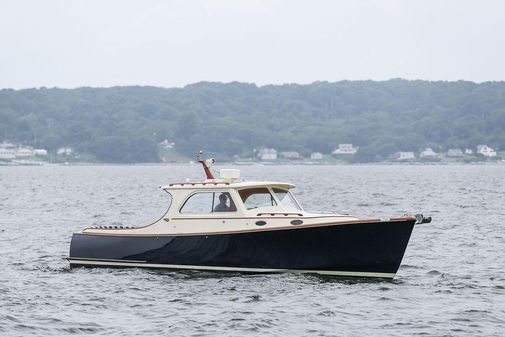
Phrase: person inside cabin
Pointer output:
(222, 206)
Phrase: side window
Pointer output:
(257, 197)
(223, 202)
(209, 202)
(198, 203)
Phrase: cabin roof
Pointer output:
(220, 184)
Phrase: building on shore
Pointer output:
(455, 153)
(404, 156)
(40, 152)
(267, 154)
(486, 151)
(316, 156)
(24, 152)
(345, 149)
(64, 151)
(166, 144)
(7, 154)
(428, 153)
(7, 145)
(290, 155)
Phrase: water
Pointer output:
(451, 281)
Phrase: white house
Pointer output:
(486, 151)
(166, 144)
(469, 152)
(7, 154)
(24, 152)
(404, 156)
(345, 149)
(40, 152)
(6, 145)
(293, 155)
(64, 151)
(428, 153)
(267, 154)
(454, 153)
(316, 156)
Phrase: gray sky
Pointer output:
(173, 43)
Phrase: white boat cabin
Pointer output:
(230, 199)
(226, 204)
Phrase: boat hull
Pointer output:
(368, 249)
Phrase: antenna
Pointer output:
(206, 164)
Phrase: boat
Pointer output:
(229, 224)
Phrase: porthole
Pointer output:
(261, 223)
(296, 222)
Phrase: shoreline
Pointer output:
(452, 163)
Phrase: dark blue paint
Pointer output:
(363, 247)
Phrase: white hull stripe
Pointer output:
(248, 270)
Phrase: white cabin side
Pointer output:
(250, 206)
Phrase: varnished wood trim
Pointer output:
(279, 214)
(262, 217)
(210, 183)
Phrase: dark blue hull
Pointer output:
(358, 249)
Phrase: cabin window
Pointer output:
(257, 197)
(286, 198)
(209, 202)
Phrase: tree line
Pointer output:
(124, 124)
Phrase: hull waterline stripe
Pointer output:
(213, 268)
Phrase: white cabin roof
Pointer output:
(220, 184)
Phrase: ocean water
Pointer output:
(451, 282)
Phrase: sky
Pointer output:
(103, 43)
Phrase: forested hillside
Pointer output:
(124, 124)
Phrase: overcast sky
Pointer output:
(173, 43)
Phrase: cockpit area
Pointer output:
(233, 198)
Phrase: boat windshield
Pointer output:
(286, 199)
(257, 197)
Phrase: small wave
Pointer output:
(327, 313)
(53, 269)
(478, 311)
(467, 244)
(458, 319)
(254, 298)
(236, 319)
(12, 319)
(78, 330)
(24, 327)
